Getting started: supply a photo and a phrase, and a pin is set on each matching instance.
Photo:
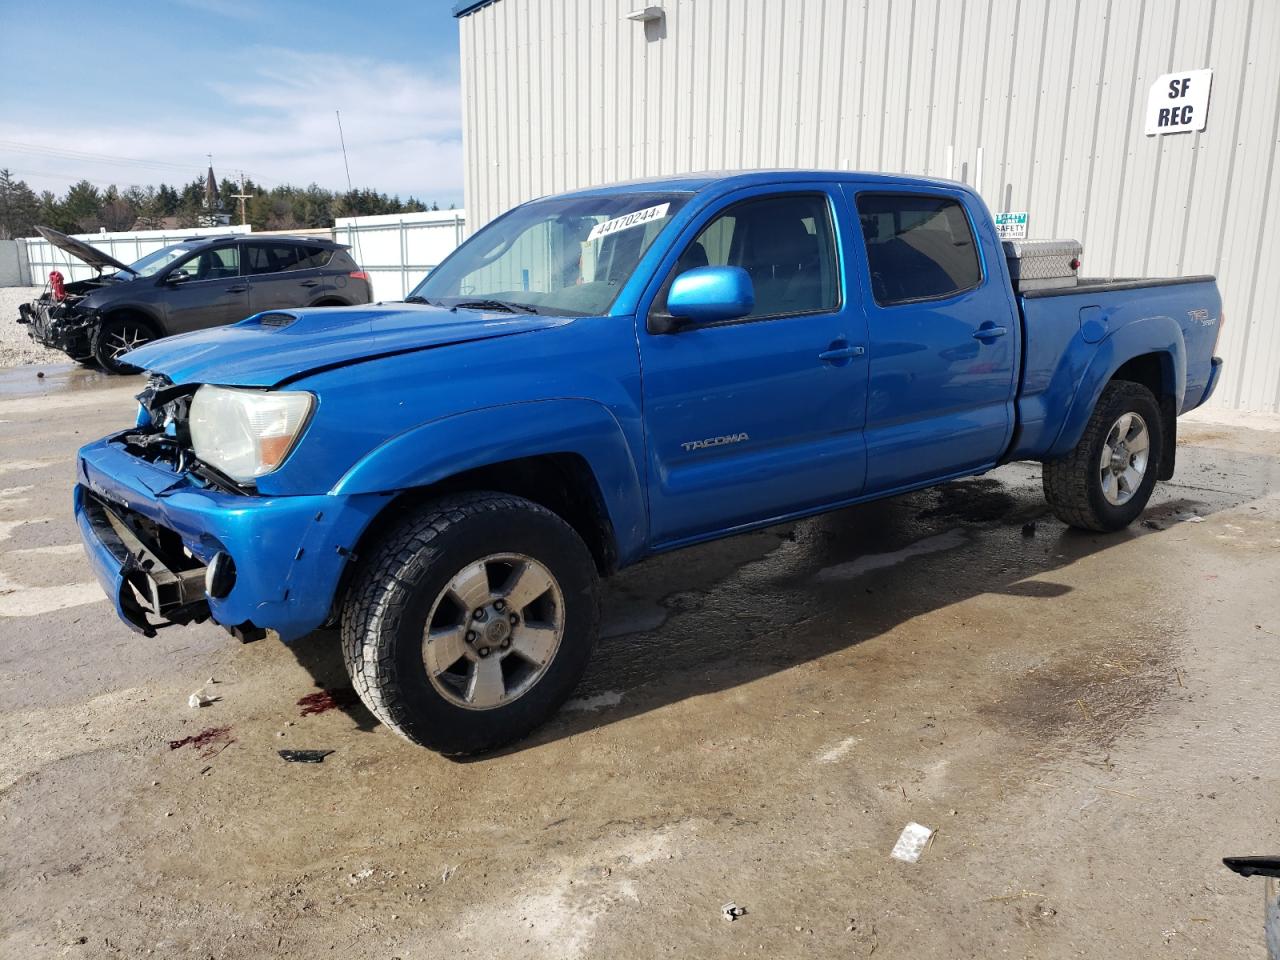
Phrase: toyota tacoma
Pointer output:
(599, 377)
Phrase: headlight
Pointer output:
(246, 433)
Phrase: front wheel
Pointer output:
(471, 621)
(1107, 478)
(117, 337)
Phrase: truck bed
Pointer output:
(1075, 337)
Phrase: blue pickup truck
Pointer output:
(602, 376)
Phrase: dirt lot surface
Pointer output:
(1087, 721)
(16, 347)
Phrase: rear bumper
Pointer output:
(289, 553)
(1215, 375)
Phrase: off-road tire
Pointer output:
(105, 344)
(1073, 485)
(387, 605)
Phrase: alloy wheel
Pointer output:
(493, 631)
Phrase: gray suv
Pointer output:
(203, 282)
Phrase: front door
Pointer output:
(944, 338)
(206, 290)
(759, 417)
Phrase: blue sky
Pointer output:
(136, 93)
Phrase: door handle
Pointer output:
(841, 353)
(989, 333)
(309, 283)
(240, 289)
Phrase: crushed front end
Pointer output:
(64, 325)
(173, 542)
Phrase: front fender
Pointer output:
(1159, 334)
(442, 448)
(148, 312)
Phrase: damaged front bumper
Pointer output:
(60, 326)
(151, 535)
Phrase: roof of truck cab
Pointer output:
(728, 179)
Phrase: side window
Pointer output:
(219, 263)
(269, 257)
(312, 258)
(786, 245)
(918, 247)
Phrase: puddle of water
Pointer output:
(23, 381)
(621, 623)
(878, 561)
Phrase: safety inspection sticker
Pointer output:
(627, 220)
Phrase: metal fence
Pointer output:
(397, 250)
(42, 256)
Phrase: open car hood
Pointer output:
(276, 347)
(81, 250)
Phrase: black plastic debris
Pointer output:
(303, 756)
(1253, 866)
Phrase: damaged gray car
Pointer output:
(199, 283)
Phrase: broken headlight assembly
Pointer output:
(245, 434)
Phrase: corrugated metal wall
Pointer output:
(1039, 103)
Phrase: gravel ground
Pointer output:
(16, 346)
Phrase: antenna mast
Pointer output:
(342, 140)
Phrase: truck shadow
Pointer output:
(724, 614)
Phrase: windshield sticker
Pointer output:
(627, 221)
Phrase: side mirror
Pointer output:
(177, 277)
(711, 294)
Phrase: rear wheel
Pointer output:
(1104, 483)
(117, 336)
(471, 622)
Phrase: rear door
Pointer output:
(280, 276)
(943, 338)
(210, 293)
(758, 417)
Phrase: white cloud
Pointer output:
(274, 118)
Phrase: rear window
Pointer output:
(918, 247)
(268, 258)
(312, 258)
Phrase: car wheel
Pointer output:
(116, 337)
(1104, 483)
(471, 621)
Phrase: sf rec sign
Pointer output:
(1179, 102)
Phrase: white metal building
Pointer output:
(1042, 104)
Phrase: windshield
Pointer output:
(153, 263)
(566, 255)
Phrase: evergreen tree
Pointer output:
(81, 208)
(19, 207)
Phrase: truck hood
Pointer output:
(270, 349)
(81, 250)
